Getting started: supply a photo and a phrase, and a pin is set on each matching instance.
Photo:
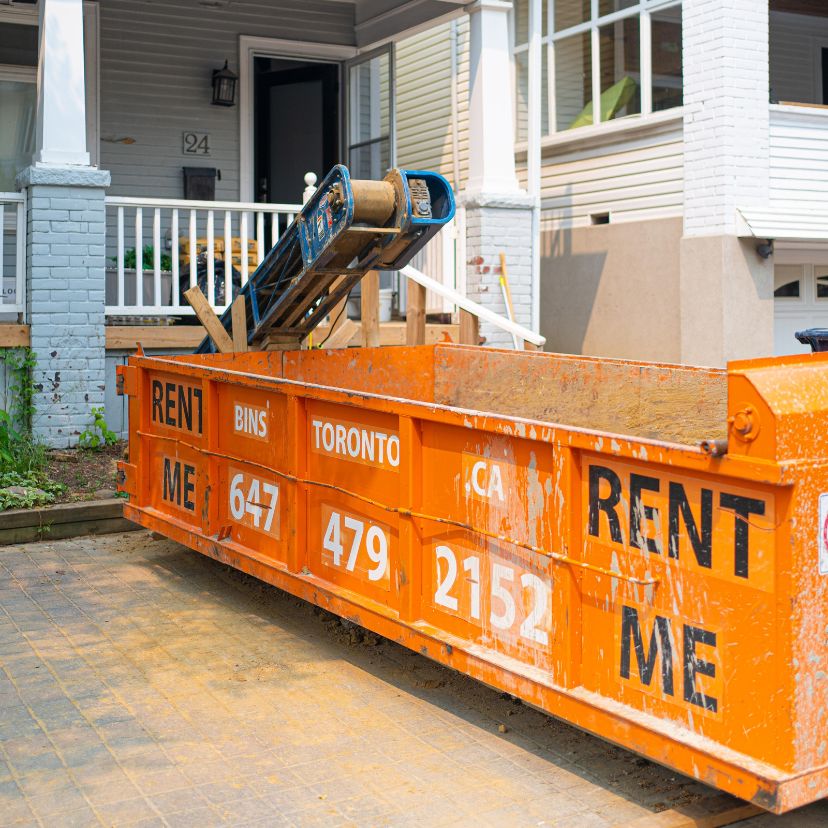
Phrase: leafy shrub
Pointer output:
(23, 479)
(147, 259)
(18, 491)
(99, 435)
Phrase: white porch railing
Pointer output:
(188, 243)
(12, 256)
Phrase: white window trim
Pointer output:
(643, 10)
(794, 301)
(815, 277)
(251, 47)
(602, 133)
(363, 57)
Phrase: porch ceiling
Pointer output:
(374, 21)
(378, 20)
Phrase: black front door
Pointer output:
(296, 120)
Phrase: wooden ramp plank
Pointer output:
(207, 316)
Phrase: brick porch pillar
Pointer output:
(66, 222)
(66, 272)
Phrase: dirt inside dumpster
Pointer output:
(677, 404)
(673, 403)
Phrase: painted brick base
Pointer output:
(492, 227)
(65, 297)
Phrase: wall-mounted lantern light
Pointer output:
(224, 86)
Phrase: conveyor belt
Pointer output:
(346, 229)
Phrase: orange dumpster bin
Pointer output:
(639, 549)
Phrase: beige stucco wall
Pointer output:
(726, 299)
(613, 290)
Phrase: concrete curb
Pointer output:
(64, 520)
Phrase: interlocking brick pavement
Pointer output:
(143, 684)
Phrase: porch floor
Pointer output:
(144, 684)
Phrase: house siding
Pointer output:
(156, 61)
(633, 177)
(425, 131)
(798, 158)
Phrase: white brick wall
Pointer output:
(490, 231)
(726, 112)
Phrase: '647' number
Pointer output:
(257, 507)
(503, 609)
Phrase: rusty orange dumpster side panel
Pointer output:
(668, 600)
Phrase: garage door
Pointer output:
(800, 301)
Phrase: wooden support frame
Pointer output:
(469, 328)
(341, 335)
(415, 315)
(14, 336)
(370, 309)
(239, 318)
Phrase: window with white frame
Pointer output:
(626, 54)
(18, 77)
(19, 36)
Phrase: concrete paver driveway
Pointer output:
(143, 684)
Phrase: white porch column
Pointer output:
(491, 98)
(61, 96)
(498, 212)
(66, 239)
(726, 289)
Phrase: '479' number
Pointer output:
(350, 540)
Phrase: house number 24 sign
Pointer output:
(196, 143)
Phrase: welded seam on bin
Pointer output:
(404, 512)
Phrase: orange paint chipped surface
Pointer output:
(543, 523)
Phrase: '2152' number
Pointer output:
(504, 599)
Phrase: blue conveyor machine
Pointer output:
(346, 229)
